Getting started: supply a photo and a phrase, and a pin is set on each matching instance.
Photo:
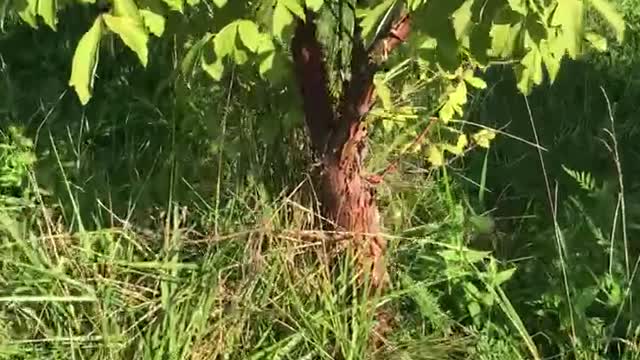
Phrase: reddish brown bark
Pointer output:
(348, 199)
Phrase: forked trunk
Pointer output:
(339, 139)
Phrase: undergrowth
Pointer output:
(181, 223)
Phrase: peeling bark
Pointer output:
(348, 198)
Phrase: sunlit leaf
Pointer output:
(240, 56)
(428, 43)
(85, 61)
(132, 33)
(459, 96)
(446, 112)
(153, 21)
(47, 9)
(455, 100)
(266, 64)
(458, 148)
(220, 3)
(568, 17)
(273, 67)
(503, 276)
(28, 13)
(265, 44)
(225, 41)
(281, 19)
(529, 71)
(519, 6)
(611, 15)
(371, 17)
(552, 51)
(474, 81)
(596, 41)
(484, 137)
(461, 19)
(187, 64)
(435, 156)
(383, 92)
(249, 34)
(314, 5)
(294, 6)
(504, 38)
(465, 254)
(177, 5)
(125, 8)
(215, 69)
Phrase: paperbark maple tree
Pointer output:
(348, 198)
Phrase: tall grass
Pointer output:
(180, 223)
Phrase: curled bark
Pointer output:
(348, 199)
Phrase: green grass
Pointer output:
(260, 294)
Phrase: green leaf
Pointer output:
(266, 64)
(186, 66)
(529, 71)
(464, 254)
(27, 12)
(483, 224)
(552, 51)
(240, 56)
(371, 17)
(314, 5)
(458, 148)
(429, 43)
(249, 34)
(435, 156)
(177, 5)
(265, 44)
(461, 19)
(474, 308)
(476, 82)
(447, 112)
(47, 9)
(281, 19)
(85, 61)
(225, 41)
(126, 8)
(414, 4)
(597, 41)
(153, 21)
(503, 276)
(611, 15)
(220, 3)
(132, 33)
(383, 92)
(484, 137)
(459, 96)
(504, 38)
(294, 6)
(518, 6)
(455, 100)
(214, 70)
(568, 18)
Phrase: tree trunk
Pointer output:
(339, 139)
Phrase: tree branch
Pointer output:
(359, 94)
(312, 80)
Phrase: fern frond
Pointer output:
(584, 179)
